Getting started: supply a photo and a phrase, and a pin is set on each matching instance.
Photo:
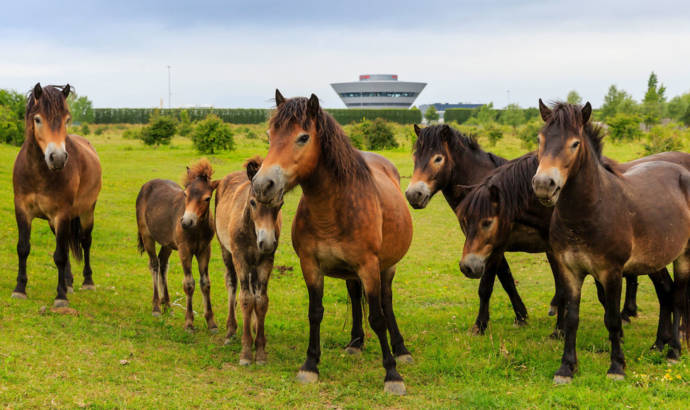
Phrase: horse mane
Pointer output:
(201, 169)
(51, 102)
(431, 139)
(337, 153)
(569, 117)
(512, 181)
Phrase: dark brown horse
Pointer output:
(609, 224)
(56, 177)
(493, 213)
(352, 221)
(178, 219)
(248, 233)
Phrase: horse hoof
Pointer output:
(60, 303)
(615, 376)
(88, 287)
(476, 330)
(245, 362)
(557, 380)
(552, 311)
(260, 361)
(672, 361)
(307, 377)
(395, 387)
(155, 313)
(625, 319)
(213, 330)
(556, 335)
(70, 289)
(405, 358)
(354, 351)
(520, 323)
(18, 295)
(189, 329)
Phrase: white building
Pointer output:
(378, 91)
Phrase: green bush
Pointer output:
(398, 115)
(212, 134)
(493, 132)
(81, 108)
(11, 129)
(662, 138)
(84, 129)
(624, 127)
(133, 133)
(459, 115)
(431, 114)
(100, 130)
(185, 127)
(527, 133)
(159, 131)
(374, 135)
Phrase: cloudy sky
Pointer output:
(234, 54)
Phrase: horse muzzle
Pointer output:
(265, 241)
(188, 220)
(547, 186)
(418, 195)
(473, 266)
(55, 157)
(269, 186)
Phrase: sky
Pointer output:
(235, 54)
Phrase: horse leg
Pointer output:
(261, 308)
(371, 281)
(663, 285)
(612, 283)
(630, 304)
(246, 275)
(231, 287)
(559, 300)
(85, 239)
(486, 287)
(399, 350)
(573, 292)
(505, 276)
(681, 273)
(163, 257)
(187, 285)
(354, 290)
(202, 258)
(61, 259)
(309, 372)
(23, 249)
(154, 267)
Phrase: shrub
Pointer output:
(662, 138)
(159, 131)
(84, 129)
(356, 135)
(185, 126)
(133, 133)
(624, 127)
(212, 134)
(513, 115)
(431, 114)
(527, 133)
(100, 130)
(11, 128)
(459, 115)
(374, 135)
(494, 133)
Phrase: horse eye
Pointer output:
(208, 199)
(486, 223)
(252, 202)
(575, 144)
(303, 138)
(37, 119)
(438, 159)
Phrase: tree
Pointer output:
(574, 98)
(374, 135)
(513, 115)
(616, 101)
(486, 114)
(431, 114)
(624, 126)
(185, 127)
(529, 131)
(159, 131)
(678, 107)
(12, 106)
(212, 134)
(81, 108)
(654, 99)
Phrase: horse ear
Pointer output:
(37, 91)
(495, 196)
(446, 132)
(417, 130)
(253, 166)
(313, 105)
(280, 100)
(544, 111)
(214, 184)
(188, 170)
(66, 90)
(586, 112)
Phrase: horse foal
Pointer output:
(178, 219)
(248, 233)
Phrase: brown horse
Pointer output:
(179, 219)
(248, 233)
(56, 177)
(352, 221)
(609, 224)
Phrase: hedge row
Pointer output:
(248, 115)
(141, 115)
(460, 115)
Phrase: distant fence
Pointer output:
(248, 115)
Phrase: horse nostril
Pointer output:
(52, 156)
(270, 184)
(261, 244)
(552, 183)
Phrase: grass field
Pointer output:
(115, 354)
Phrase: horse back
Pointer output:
(159, 206)
(231, 196)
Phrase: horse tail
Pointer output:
(74, 239)
(685, 324)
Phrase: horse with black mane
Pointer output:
(57, 177)
(178, 219)
(609, 224)
(445, 159)
(248, 233)
(352, 222)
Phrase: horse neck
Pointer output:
(324, 192)
(581, 194)
(467, 169)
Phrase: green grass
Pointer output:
(68, 361)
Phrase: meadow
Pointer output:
(114, 353)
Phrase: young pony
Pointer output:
(248, 233)
(352, 221)
(56, 177)
(609, 224)
(178, 219)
